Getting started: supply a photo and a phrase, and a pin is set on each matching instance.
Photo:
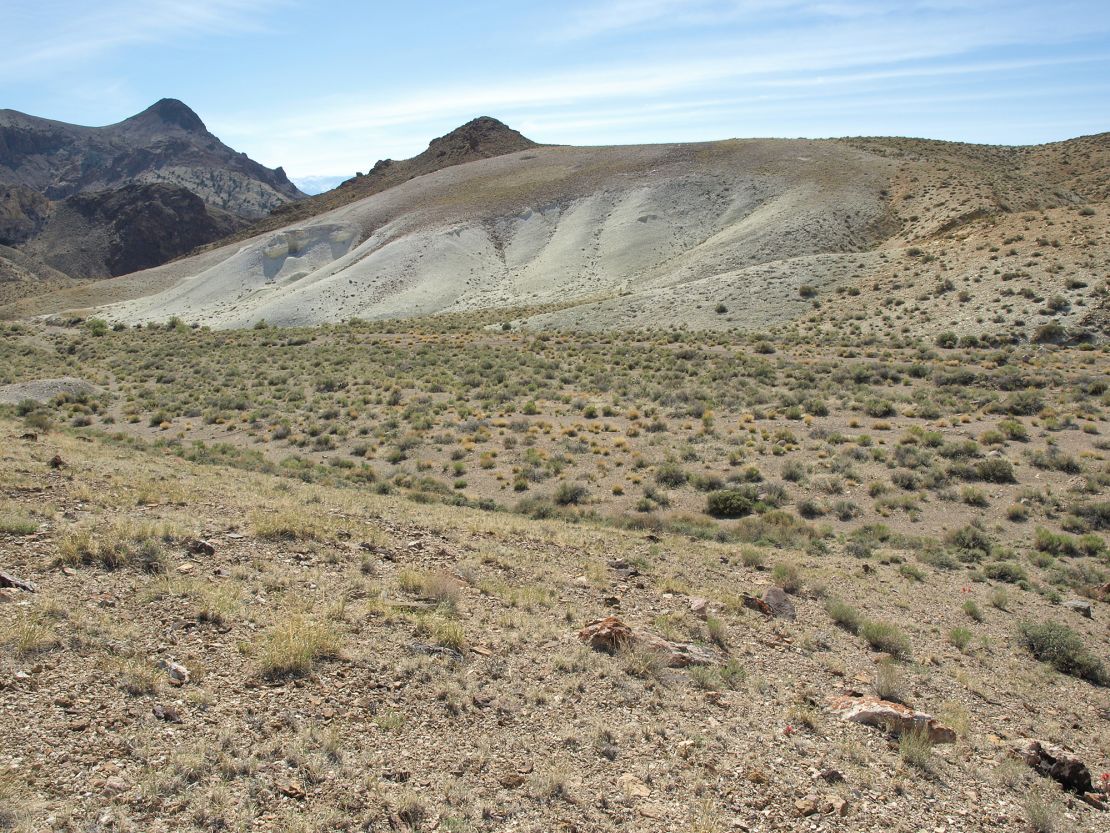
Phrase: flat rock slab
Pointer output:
(44, 390)
(893, 717)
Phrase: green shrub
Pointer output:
(960, 637)
(971, 541)
(844, 615)
(1055, 543)
(729, 503)
(787, 576)
(1061, 647)
(670, 474)
(567, 493)
(995, 470)
(883, 636)
(1006, 571)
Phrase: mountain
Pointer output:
(861, 235)
(165, 143)
(101, 201)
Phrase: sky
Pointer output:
(325, 89)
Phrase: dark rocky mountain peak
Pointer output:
(167, 112)
(484, 136)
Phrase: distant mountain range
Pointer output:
(100, 201)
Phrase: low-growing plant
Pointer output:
(843, 614)
(292, 647)
(960, 637)
(729, 503)
(883, 636)
(1063, 648)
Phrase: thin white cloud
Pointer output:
(351, 127)
(53, 36)
(611, 16)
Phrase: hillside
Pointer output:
(798, 234)
(342, 578)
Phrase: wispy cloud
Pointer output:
(54, 35)
(610, 16)
(745, 69)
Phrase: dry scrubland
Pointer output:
(410, 523)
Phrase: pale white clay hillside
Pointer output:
(716, 235)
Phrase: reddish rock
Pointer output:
(1056, 763)
(611, 635)
(758, 605)
(893, 717)
(292, 790)
(56, 462)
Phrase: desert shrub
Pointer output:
(291, 647)
(1097, 515)
(670, 474)
(911, 572)
(568, 493)
(1006, 571)
(915, 748)
(971, 541)
(729, 503)
(905, 479)
(1050, 333)
(1000, 598)
(1063, 648)
(1055, 543)
(794, 471)
(883, 636)
(17, 523)
(878, 408)
(1021, 403)
(974, 497)
(753, 558)
(995, 470)
(843, 614)
(1055, 460)
(810, 509)
(971, 608)
(787, 576)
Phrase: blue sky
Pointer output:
(326, 89)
